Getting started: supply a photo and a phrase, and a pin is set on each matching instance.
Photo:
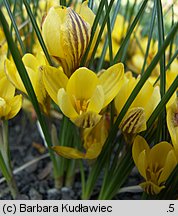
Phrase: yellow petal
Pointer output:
(68, 152)
(30, 61)
(15, 104)
(86, 120)
(97, 100)
(7, 90)
(13, 75)
(88, 16)
(93, 151)
(4, 108)
(158, 154)
(97, 134)
(64, 102)
(137, 61)
(111, 81)
(51, 30)
(124, 93)
(53, 79)
(152, 102)
(170, 164)
(142, 163)
(82, 84)
(86, 13)
(144, 95)
(139, 146)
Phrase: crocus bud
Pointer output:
(66, 35)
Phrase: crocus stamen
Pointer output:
(81, 105)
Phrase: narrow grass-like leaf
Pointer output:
(6, 3)
(37, 31)
(132, 12)
(28, 86)
(93, 29)
(90, 4)
(101, 31)
(172, 42)
(4, 169)
(162, 125)
(119, 177)
(103, 54)
(109, 33)
(63, 2)
(149, 37)
(130, 30)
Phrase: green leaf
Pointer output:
(63, 2)
(149, 37)
(6, 3)
(162, 118)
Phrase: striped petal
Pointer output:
(66, 35)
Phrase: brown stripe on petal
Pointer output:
(81, 36)
(73, 38)
(134, 122)
(87, 34)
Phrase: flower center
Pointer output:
(81, 105)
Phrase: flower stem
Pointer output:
(5, 163)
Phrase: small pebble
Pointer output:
(34, 194)
(53, 194)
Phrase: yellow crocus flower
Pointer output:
(155, 164)
(94, 139)
(82, 97)
(32, 65)
(67, 34)
(172, 123)
(9, 103)
(140, 110)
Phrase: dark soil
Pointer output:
(36, 181)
